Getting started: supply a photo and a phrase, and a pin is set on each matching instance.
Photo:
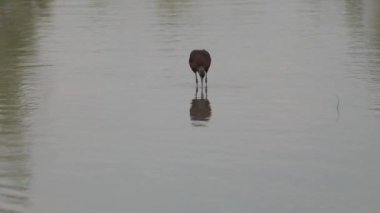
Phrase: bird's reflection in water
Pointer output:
(200, 111)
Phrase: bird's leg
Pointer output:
(206, 79)
(196, 79)
(206, 91)
(196, 92)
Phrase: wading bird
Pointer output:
(199, 62)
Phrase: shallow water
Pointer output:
(99, 111)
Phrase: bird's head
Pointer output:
(202, 72)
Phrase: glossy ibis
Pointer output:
(199, 62)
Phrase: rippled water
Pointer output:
(99, 111)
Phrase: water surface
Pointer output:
(99, 111)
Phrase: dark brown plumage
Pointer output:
(200, 61)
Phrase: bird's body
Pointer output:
(200, 61)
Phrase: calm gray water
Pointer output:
(99, 111)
